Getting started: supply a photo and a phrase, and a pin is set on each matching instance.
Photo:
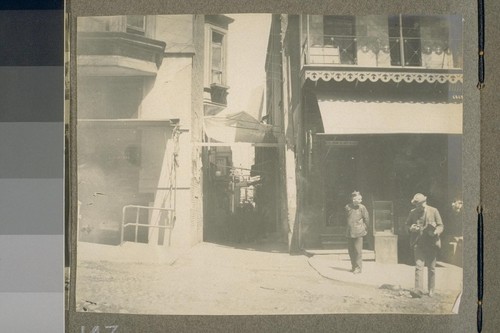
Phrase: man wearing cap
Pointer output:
(357, 226)
(425, 226)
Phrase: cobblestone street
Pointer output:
(214, 279)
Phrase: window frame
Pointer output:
(404, 40)
(136, 30)
(223, 70)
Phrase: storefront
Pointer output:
(386, 148)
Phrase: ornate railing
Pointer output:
(321, 49)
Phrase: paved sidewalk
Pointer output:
(337, 267)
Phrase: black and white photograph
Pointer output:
(269, 164)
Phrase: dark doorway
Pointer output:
(340, 182)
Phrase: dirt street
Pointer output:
(218, 280)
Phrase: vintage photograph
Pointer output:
(261, 164)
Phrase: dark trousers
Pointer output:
(425, 256)
(355, 248)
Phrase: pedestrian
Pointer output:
(357, 227)
(425, 225)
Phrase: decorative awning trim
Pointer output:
(351, 76)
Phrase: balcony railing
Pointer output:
(388, 52)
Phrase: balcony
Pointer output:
(396, 59)
(373, 52)
(118, 54)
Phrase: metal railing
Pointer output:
(166, 220)
(381, 52)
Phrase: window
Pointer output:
(221, 166)
(404, 40)
(383, 41)
(421, 41)
(136, 24)
(332, 39)
(217, 54)
(340, 31)
(215, 75)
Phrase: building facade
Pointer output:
(144, 84)
(370, 104)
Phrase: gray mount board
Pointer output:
(466, 320)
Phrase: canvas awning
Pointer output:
(364, 117)
(234, 127)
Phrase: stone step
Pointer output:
(339, 254)
(333, 244)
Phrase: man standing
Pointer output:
(357, 226)
(425, 226)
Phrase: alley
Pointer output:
(213, 279)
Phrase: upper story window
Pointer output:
(136, 24)
(215, 62)
(383, 41)
(339, 32)
(332, 39)
(423, 42)
(217, 57)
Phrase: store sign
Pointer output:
(341, 143)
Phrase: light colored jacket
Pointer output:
(357, 220)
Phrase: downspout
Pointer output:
(173, 184)
(401, 46)
(176, 164)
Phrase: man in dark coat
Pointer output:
(357, 226)
(425, 226)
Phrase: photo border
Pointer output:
(464, 321)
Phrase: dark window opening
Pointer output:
(340, 32)
(136, 24)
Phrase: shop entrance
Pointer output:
(340, 181)
(388, 170)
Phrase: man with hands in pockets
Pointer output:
(357, 228)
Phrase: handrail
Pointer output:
(170, 218)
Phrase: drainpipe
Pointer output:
(401, 43)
